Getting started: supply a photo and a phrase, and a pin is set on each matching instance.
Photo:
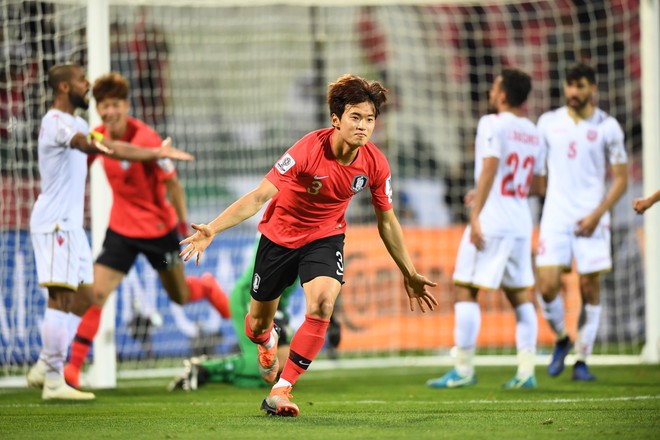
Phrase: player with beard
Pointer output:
(62, 252)
(581, 141)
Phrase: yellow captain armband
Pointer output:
(96, 135)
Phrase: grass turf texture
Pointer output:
(364, 404)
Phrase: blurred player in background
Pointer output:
(303, 230)
(581, 140)
(495, 251)
(62, 252)
(142, 220)
(641, 205)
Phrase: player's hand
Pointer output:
(197, 243)
(587, 226)
(468, 199)
(476, 236)
(641, 205)
(168, 151)
(102, 148)
(416, 288)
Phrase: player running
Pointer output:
(303, 230)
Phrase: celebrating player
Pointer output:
(142, 220)
(581, 140)
(62, 252)
(495, 251)
(303, 230)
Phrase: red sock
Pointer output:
(216, 296)
(89, 325)
(305, 345)
(195, 289)
(259, 339)
(207, 287)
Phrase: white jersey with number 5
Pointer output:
(577, 157)
(63, 171)
(516, 143)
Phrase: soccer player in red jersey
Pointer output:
(142, 220)
(303, 227)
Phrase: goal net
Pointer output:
(237, 85)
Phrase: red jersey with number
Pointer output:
(140, 208)
(315, 189)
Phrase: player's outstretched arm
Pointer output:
(126, 151)
(416, 285)
(96, 143)
(641, 205)
(236, 213)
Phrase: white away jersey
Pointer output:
(63, 174)
(515, 141)
(577, 157)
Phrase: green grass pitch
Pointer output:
(387, 403)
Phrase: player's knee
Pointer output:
(322, 308)
(548, 289)
(98, 297)
(589, 288)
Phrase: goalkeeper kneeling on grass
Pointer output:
(241, 369)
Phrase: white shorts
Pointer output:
(592, 254)
(504, 262)
(63, 259)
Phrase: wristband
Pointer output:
(96, 135)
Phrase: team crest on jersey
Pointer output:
(359, 183)
(59, 238)
(125, 165)
(285, 163)
(166, 165)
(592, 135)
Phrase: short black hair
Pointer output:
(580, 70)
(60, 73)
(516, 84)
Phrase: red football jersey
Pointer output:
(315, 189)
(140, 208)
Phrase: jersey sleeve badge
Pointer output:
(285, 163)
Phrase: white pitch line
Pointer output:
(368, 402)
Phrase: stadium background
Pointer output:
(237, 85)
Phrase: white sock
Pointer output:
(282, 383)
(55, 341)
(271, 340)
(555, 313)
(527, 329)
(466, 330)
(465, 361)
(74, 322)
(584, 343)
